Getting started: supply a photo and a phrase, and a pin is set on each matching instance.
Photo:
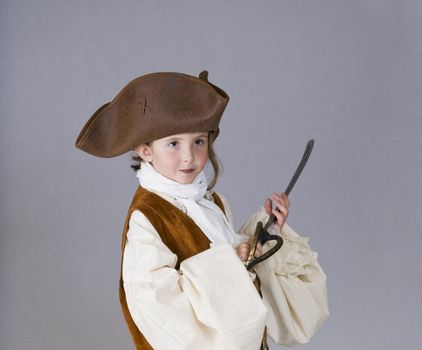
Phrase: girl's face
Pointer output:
(178, 157)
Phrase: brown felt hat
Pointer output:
(151, 107)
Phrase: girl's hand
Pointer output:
(282, 203)
(243, 250)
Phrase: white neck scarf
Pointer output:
(207, 215)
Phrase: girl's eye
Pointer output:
(199, 142)
(173, 144)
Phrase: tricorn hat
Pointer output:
(151, 107)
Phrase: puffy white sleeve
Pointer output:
(210, 303)
(293, 286)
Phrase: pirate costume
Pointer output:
(182, 285)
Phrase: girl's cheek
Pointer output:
(171, 153)
(203, 156)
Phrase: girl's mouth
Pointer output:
(188, 171)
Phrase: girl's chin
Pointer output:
(186, 178)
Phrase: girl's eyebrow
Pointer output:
(180, 138)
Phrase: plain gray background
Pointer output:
(346, 73)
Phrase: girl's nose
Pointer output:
(188, 155)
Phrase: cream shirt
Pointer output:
(211, 302)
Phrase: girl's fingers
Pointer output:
(242, 248)
(281, 214)
(281, 199)
(283, 211)
(282, 203)
(286, 198)
(280, 218)
(268, 206)
(243, 251)
(281, 207)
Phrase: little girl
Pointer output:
(183, 281)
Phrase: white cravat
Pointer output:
(207, 215)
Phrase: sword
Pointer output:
(261, 234)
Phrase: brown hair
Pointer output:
(215, 162)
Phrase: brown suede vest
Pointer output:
(178, 232)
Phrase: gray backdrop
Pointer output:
(346, 73)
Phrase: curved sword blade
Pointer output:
(305, 157)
